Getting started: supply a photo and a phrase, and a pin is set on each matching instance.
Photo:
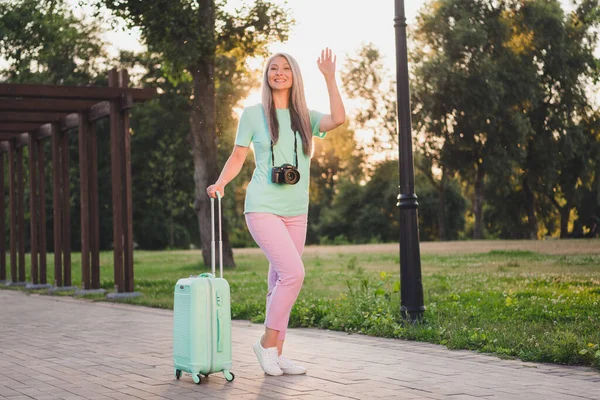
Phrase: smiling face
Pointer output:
(280, 74)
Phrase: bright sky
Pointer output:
(331, 23)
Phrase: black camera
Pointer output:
(285, 174)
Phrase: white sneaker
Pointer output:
(288, 366)
(267, 359)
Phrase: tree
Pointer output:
(190, 35)
(362, 212)
(560, 163)
(43, 42)
(335, 160)
(365, 79)
(162, 140)
(501, 99)
(160, 159)
(442, 206)
(470, 92)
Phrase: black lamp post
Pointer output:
(411, 288)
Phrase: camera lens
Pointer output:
(291, 176)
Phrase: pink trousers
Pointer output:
(282, 240)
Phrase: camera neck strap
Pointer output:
(295, 151)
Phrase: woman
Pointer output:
(276, 204)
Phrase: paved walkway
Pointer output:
(64, 348)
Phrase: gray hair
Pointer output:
(299, 114)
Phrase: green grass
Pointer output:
(533, 306)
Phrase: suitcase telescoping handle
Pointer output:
(212, 243)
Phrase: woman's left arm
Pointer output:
(326, 64)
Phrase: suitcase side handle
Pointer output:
(219, 332)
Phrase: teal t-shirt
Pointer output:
(262, 195)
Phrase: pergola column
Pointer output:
(2, 223)
(33, 208)
(21, 215)
(88, 186)
(94, 207)
(42, 209)
(62, 216)
(66, 210)
(115, 158)
(126, 184)
(121, 188)
(84, 189)
(12, 188)
(57, 205)
(37, 222)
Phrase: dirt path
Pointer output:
(572, 246)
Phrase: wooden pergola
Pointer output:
(30, 114)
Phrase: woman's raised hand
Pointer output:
(326, 62)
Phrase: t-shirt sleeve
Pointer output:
(244, 134)
(315, 121)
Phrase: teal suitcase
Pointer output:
(202, 320)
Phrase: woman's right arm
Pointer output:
(232, 168)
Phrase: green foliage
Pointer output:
(563, 55)
(336, 159)
(162, 185)
(368, 213)
(361, 213)
(191, 32)
(429, 211)
(465, 106)
(43, 42)
(501, 97)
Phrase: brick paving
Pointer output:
(54, 347)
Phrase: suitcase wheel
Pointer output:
(229, 376)
(177, 373)
(197, 378)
